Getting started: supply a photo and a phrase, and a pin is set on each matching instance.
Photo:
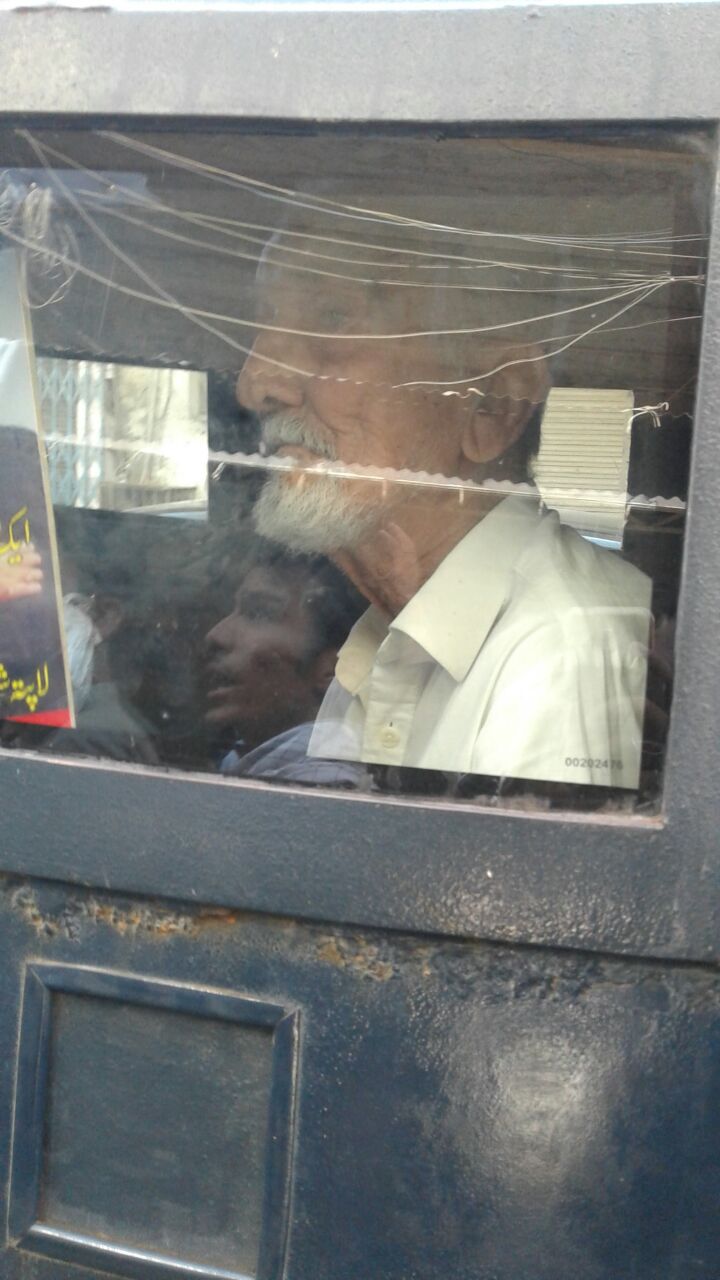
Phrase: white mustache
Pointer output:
(287, 428)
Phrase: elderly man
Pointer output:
(497, 641)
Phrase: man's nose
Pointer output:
(218, 637)
(265, 381)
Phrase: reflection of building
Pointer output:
(122, 436)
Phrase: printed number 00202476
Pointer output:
(590, 762)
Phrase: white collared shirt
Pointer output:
(524, 655)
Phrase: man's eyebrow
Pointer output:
(261, 593)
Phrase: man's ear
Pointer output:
(511, 396)
(323, 669)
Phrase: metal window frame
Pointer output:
(630, 885)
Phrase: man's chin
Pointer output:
(316, 517)
(220, 716)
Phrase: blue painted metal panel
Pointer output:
(483, 1111)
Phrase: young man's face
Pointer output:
(260, 673)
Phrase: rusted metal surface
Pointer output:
(482, 1111)
(67, 920)
(146, 918)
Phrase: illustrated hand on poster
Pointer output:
(20, 574)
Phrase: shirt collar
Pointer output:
(452, 613)
(357, 655)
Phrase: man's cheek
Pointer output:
(270, 668)
(340, 406)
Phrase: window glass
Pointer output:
(120, 436)
(363, 455)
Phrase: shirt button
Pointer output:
(389, 738)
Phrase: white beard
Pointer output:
(316, 517)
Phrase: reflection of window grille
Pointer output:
(120, 436)
(72, 407)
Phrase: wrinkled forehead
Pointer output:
(299, 288)
(297, 262)
(408, 276)
(368, 243)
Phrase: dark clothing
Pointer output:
(284, 758)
